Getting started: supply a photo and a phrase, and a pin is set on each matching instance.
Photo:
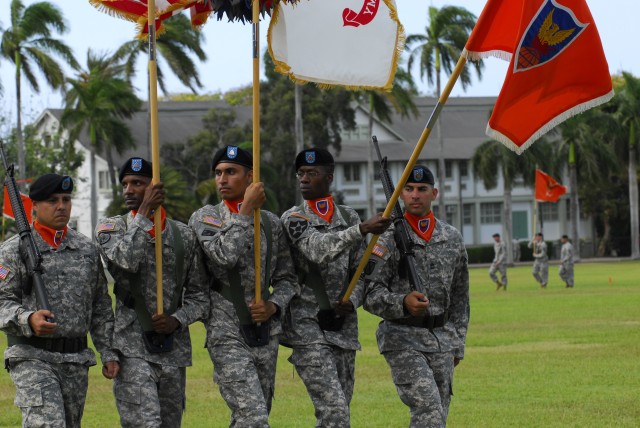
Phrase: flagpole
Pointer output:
(155, 150)
(407, 170)
(535, 223)
(255, 17)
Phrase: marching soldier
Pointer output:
(422, 336)
(326, 242)
(155, 349)
(566, 262)
(242, 333)
(47, 354)
(499, 263)
(540, 269)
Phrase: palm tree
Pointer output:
(381, 105)
(28, 45)
(99, 99)
(493, 160)
(439, 49)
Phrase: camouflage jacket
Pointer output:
(77, 292)
(227, 241)
(336, 249)
(442, 266)
(129, 252)
(566, 254)
(500, 250)
(540, 253)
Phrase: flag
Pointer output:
(352, 43)
(7, 210)
(548, 189)
(557, 66)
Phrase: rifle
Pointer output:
(402, 237)
(28, 249)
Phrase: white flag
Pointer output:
(353, 43)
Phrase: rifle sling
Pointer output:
(133, 298)
(235, 291)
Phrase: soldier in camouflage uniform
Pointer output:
(242, 333)
(326, 242)
(150, 391)
(566, 262)
(422, 336)
(540, 260)
(47, 354)
(499, 263)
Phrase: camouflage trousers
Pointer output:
(246, 377)
(566, 273)
(502, 268)
(149, 394)
(49, 394)
(540, 271)
(424, 383)
(328, 374)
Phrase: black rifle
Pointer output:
(28, 250)
(402, 237)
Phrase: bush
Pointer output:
(480, 254)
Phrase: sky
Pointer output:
(229, 48)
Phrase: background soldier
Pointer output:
(540, 269)
(499, 263)
(47, 354)
(243, 341)
(154, 348)
(327, 243)
(566, 261)
(422, 337)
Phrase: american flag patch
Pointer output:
(212, 221)
(379, 250)
(105, 227)
(3, 272)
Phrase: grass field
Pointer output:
(535, 358)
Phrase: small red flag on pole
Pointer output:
(548, 189)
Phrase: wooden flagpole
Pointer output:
(255, 12)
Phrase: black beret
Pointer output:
(232, 154)
(314, 156)
(421, 174)
(49, 184)
(136, 166)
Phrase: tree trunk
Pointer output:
(508, 233)
(633, 196)
(371, 203)
(298, 128)
(94, 190)
(22, 164)
(573, 197)
(112, 174)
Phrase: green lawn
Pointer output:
(535, 358)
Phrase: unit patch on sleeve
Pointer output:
(3, 272)
(211, 220)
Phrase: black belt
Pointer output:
(430, 321)
(64, 345)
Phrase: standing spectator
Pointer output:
(499, 263)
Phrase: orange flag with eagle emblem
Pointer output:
(548, 189)
(557, 65)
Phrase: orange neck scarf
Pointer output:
(323, 207)
(234, 206)
(51, 236)
(163, 219)
(422, 226)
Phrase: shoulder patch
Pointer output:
(3, 272)
(107, 227)
(211, 220)
(379, 250)
(299, 216)
(297, 227)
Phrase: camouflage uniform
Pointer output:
(540, 269)
(422, 359)
(566, 263)
(244, 374)
(499, 263)
(51, 386)
(150, 389)
(324, 360)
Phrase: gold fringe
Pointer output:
(477, 56)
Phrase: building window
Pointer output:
(359, 133)
(548, 211)
(467, 213)
(103, 180)
(452, 213)
(464, 169)
(448, 168)
(351, 172)
(491, 213)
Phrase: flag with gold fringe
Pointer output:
(557, 65)
(352, 43)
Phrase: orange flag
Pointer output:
(548, 189)
(557, 65)
(7, 210)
